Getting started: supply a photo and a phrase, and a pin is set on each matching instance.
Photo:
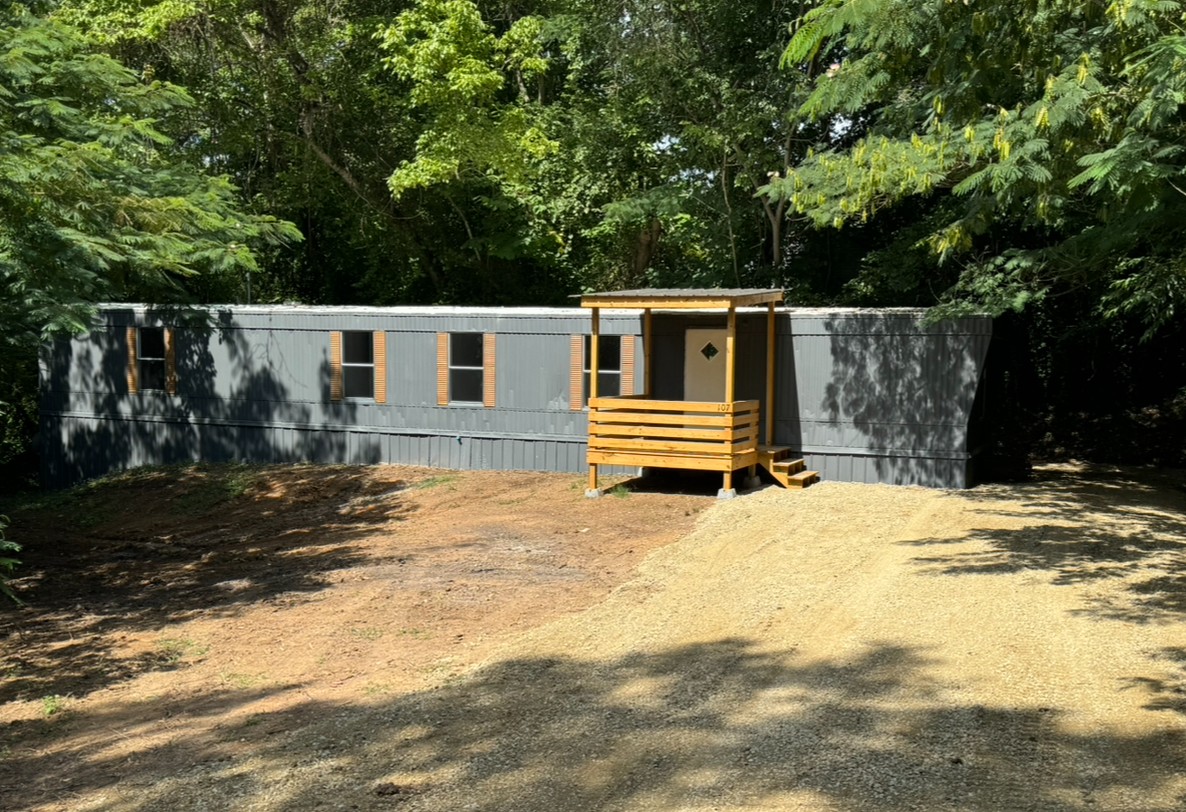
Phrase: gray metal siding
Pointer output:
(887, 391)
(872, 396)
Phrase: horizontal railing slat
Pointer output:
(672, 460)
(664, 446)
(635, 418)
(635, 403)
(638, 431)
(721, 434)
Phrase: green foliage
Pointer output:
(98, 202)
(1047, 134)
(457, 69)
(53, 704)
(94, 200)
(672, 116)
(7, 562)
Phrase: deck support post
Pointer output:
(727, 491)
(648, 378)
(594, 366)
(751, 479)
(770, 367)
(731, 356)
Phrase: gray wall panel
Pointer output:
(870, 395)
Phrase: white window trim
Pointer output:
(480, 369)
(586, 351)
(354, 364)
(163, 358)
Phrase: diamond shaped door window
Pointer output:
(709, 351)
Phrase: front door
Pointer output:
(704, 365)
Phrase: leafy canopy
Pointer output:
(458, 68)
(95, 200)
(1041, 139)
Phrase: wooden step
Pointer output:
(768, 454)
(787, 467)
(802, 479)
(790, 473)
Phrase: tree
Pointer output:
(95, 201)
(7, 563)
(673, 115)
(1037, 142)
(297, 109)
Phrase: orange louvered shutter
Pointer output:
(442, 369)
(380, 366)
(133, 362)
(170, 362)
(576, 373)
(488, 379)
(628, 365)
(335, 365)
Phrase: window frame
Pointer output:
(371, 365)
(160, 361)
(586, 352)
(480, 370)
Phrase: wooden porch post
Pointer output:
(770, 367)
(730, 375)
(731, 357)
(648, 378)
(594, 366)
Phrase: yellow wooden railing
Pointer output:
(636, 431)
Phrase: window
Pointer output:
(151, 356)
(358, 365)
(466, 367)
(615, 378)
(152, 360)
(609, 376)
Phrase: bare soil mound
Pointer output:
(172, 611)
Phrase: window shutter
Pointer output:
(170, 362)
(576, 373)
(380, 366)
(442, 369)
(628, 343)
(133, 362)
(335, 365)
(488, 379)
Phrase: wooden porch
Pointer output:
(637, 431)
(641, 431)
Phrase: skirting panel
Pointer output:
(80, 448)
(890, 470)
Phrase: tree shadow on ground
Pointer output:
(1169, 692)
(1082, 524)
(97, 560)
(705, 725)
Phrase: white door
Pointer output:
(704, 365)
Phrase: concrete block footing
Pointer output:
(726, 494)
(592, 493)
(752, 482)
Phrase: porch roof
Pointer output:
(682, 298)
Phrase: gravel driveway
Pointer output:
(849, 647)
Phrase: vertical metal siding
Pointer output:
(873, 397)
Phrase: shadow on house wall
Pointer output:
(883, 397)
(234, 401)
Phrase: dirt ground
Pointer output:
(381, 638)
